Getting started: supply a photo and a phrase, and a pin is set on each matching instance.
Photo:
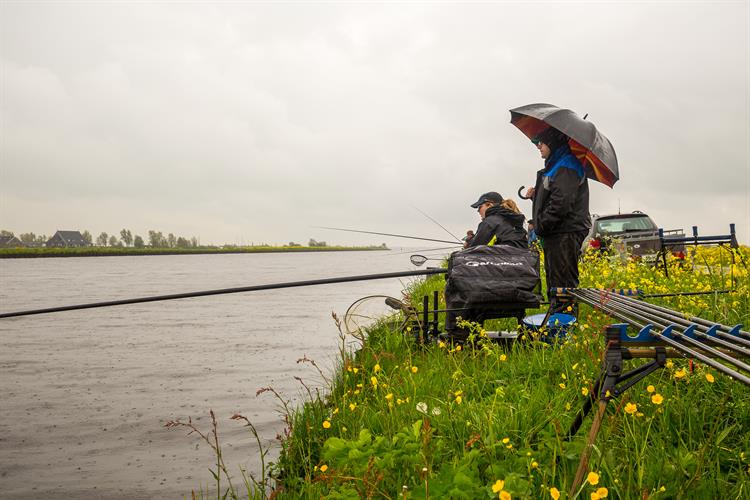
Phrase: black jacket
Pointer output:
(505, 226)
(561, 197)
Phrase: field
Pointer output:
(403, 420)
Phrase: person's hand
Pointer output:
(530, 192)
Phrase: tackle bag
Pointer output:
(499, 277)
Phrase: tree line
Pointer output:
(155, 239)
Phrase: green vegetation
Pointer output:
(403, 420)
(121, 251)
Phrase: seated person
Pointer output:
(502, 222)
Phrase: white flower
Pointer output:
(422, 407)
(436, 411)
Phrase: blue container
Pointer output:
(558, 325)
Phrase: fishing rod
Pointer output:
(253, 288)
(439, 224)
(382, 234)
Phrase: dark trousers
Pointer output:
(561, 254)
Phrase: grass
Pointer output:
(404, 420)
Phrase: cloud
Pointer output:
(259, 121)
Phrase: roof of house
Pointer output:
(9, 240)
(71, 236)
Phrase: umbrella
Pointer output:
(589, 145)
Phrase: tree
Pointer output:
(194, 242)
(182, 243)
(127, 237)
(27, 237)
(101, 240)
(113, 241)
(171, 240)
(156, 239)
(8, 234)
(138, 242)
(86, 237)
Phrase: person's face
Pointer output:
(543, 149)
(483, 208)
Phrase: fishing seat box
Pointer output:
(497, 281)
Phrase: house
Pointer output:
(67, 239)
(10, 242)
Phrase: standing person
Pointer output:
(502, 222)
(532, 232)
(560, 210)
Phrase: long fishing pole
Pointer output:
(439, 224)
(383, 234)
(254, 288)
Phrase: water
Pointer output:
(85, 394)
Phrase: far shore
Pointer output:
(24, 253)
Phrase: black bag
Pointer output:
(486, 278)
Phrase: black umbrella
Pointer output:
(589, 145)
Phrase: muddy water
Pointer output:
(84, 395)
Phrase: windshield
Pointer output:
(624, 224)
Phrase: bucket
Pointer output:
(557, 326)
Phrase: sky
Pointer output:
(257, 122)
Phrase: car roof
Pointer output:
(620, 216)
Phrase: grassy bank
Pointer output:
(9, 253)
(403, 420)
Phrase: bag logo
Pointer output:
(491, 263)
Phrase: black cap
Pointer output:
(491, 196)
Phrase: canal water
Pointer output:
(84, 395)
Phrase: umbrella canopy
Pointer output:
(589, 145)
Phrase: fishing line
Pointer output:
(382, 234)
(439, 224)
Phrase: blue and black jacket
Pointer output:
(561, 198)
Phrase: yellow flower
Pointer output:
(602, 492)
(504, 495)
(323, 468)
(669, 364)
(355, 369)
(506, 440)
(593, 478)
(441, 344)
(459, 399)
(389, 396)
(657, 399)
(503, 357)
(680, 373)
(563, 376)
(326, 424)
(562, 386)
(352, 406)
(376, 368)
(414, 369)
(498, 486)
(594, 496)
(458, 347)
(631, 408)
(710, 377)
(650, 389)
(374, 381)
(585, 391)
(554, 493)
(534, 465)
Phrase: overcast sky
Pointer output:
(255, 122)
